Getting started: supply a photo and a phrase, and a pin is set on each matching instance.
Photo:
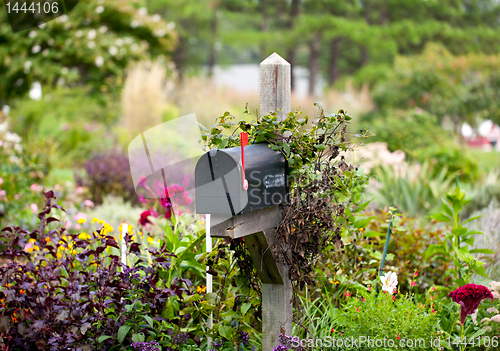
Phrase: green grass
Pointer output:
(487, 161)
(60, 176)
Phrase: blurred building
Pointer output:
(486, 136)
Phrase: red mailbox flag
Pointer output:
(244, 142)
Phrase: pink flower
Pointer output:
(434, 288)
(68, 224)
(357, 309)
(469, 297)
(394, 297)
(432, 311)
(144, 218)
(413, 283)
(79, 190)
(1, 179)
(416, 273)
(34, 208)
(332, 330)
(348, 293)
(369, 288)
(88, 203)
(364, 299)
(34, 187)
(79, 216)
(398, 336)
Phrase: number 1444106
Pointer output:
(39, 7)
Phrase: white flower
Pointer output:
(18, 148)
(128, 40)
(119, 42)
(42, 25)
(161, 32)
(64, 70)
(91, 34)
(389, 282)
(156, 18)
(135, 24)
(32, 33)
(171, 26)
(50, 41)
(142, 11)
(12, 137)
(496, 318)
(492, 310)
(36, 49)
(134, 47)
(27, 67)
(45, 52)
(63, 18)
(79, 34)
(5, 110)
(99, 61)
(99, 9)
(495, 285)
(485, 320)
(474, 316)
(103, 29)
(91, 45)
(4, 125)
(113, 50)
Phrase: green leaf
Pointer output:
(446, 209)
(361, 223)
(149, 320)
(471, 219)
(226, 331)
(286, 148)
(320, 146)
(138, 337)
(441, 217)
(275, 147)
(245, 307)
(103, 338)
(485, 251)
(122, 333)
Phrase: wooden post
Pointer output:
(275, 93)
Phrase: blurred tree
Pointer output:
(461, 88)
(91, 46)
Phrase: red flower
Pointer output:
(398, 336)
(413, 283)
(333, 330)
(469, 297)
(348, 293)
(416, 273)
(144, 218)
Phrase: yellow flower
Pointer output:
(94, 220)
(130, 228)
(36, 247)
(140, 233)
(47, 239)
(32, 241)
(134, 238)
(201, 289)
(59, 255)
(101, 221)
(82, 220)
(84, 236)
(29, 249)
(150, 240)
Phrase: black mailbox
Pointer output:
(219, 180)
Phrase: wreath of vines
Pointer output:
(323, 184)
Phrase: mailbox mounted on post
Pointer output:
(219, 180)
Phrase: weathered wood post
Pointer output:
(275, 93)
(219, 191)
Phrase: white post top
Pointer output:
(275, 86)
(275, 59)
